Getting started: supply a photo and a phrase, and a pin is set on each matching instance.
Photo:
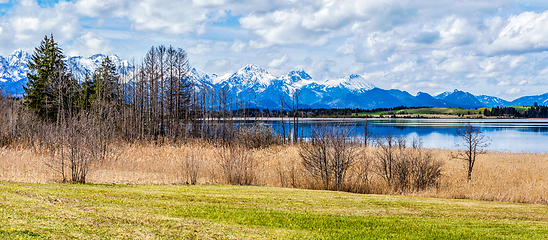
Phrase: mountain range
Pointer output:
(252, 84)
(13, 68)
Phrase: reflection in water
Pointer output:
(515, 135)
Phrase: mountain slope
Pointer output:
(252, 84)
(530, 100)
(460, 99)
(492, 101)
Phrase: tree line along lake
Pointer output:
(511, 135)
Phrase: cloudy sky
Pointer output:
(484, 47)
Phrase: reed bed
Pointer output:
(497, 176)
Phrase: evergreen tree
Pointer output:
(87, 91)
(46, 67)
(105, 79)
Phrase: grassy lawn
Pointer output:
(58, 211)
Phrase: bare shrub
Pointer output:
(361, 175)
(404, 168)
(328, 155)
(75, 144)
(281, 173)
(191, 165)
(257, 136)
(8, 119)
(426, 169)
(386, 157)
(237, 163)
(288, 172)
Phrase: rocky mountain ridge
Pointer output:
(252, 84)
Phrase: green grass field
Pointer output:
(436, 110)
(59, 211)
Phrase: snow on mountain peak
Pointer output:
(199, 77)
(249, 76)
(20, 54)
(297, 78)
(352, 82)
(298, 75)
(81, 66)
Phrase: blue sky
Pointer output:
(484, 47)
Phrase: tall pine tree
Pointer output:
(46, 65)
(87, 91)
(105, 79)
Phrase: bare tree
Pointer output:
(386, 157)
(329, 154)
(366, 134)
(282, 115)
(474, 143)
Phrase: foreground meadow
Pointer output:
(497, 176)
(65, 211)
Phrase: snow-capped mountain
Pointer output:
(352, 82)
(492, 101)
(461, 99)
(13, 68)
(13, 71)
(254, 84)
(249, 77)
(530, 100)
(80, 66)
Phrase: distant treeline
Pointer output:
(532, 112)
(313, 112)
(304, 112)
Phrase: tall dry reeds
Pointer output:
(499, 176)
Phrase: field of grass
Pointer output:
(62, 211)
(435, 110)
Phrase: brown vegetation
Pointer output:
(499, 176)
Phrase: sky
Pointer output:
(497, 48)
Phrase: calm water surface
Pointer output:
(513, 135)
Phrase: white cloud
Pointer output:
(504, 83)
(346, 49)
(459, 64)
(172, 17)
(31, 22)
(543, 71)
(456, 31)
(404, 67)
(526, 32)
(89, 44)
(278, 62)
(319, 69)
(513, 91)
(200, 49)
(219, 66)
(238, 46)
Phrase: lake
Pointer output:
(513, 135)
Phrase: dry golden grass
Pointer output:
(497, 176)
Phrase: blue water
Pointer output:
(513, 135)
